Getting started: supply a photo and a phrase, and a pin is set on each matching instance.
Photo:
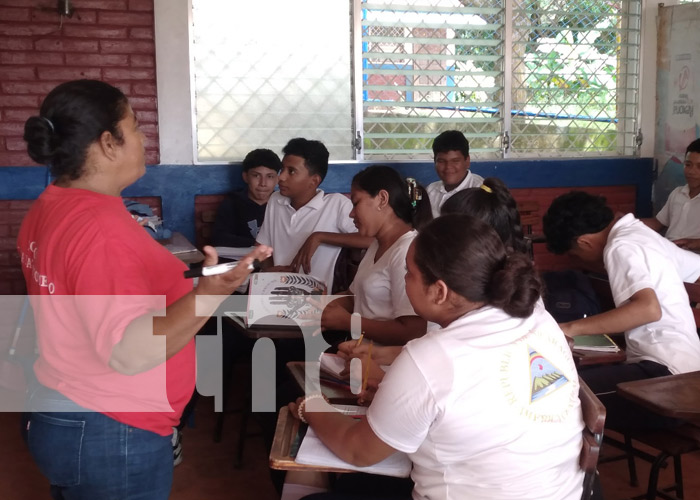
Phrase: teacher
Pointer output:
(115, 317)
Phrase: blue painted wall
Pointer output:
(177, 185)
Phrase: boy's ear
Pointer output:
(244, 176)
(316, 179)
(585, 241)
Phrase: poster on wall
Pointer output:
(677, 81)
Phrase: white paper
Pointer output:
(313, 452)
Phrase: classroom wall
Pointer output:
(110, 40)
(113, 40)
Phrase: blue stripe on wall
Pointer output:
(177, 185)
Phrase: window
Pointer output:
(379, 80)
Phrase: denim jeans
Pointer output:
(87, 456)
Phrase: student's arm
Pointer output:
(641, 308)
(654, 224)
(692, 244)
(140, 348)
(303, 257)
(396, 331)
(352, 440)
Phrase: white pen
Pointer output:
(218, 269)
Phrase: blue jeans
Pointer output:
(86, 455)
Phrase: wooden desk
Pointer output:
(336, 394)
(590, 358)
(284, 447)
(181, 248)
(676, 396)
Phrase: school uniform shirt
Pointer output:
(238, 221)
(439, 195)
(286, 229)
(681, 214)
(637, 257)
(486, 408)
(379, 287)
(90, 271)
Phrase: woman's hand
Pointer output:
(383, 355)
(226, 283)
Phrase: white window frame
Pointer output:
(173, 22)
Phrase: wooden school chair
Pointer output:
(594, 425)
(670, 443)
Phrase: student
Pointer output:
(385, 209)
(101, 287)
(646, 275)
(486, 406)
(300, 209)
(241, 213)
(680, 216)
(491, 203)
(451, 155)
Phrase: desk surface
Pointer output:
(336, 394)
(181, 248)
(676, 396)
(589, 358)
(282, 451)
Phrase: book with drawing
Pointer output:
(597, 343)
(313, 452)
(277, 299)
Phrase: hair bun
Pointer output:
(38, 134)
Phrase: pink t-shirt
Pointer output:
(91, 270)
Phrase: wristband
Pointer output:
(302, 405)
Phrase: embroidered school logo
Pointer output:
(544, 376)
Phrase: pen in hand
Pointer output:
(218, 269)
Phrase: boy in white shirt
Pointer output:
(451, 156)
(680, 216)
(646, 273)
(300, 209)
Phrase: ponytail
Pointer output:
(468, 255)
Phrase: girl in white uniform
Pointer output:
(486, 406)
(386, 208)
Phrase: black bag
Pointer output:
(569, 295)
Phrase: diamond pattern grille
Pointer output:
(430, 66)
(259, 87)
(573, 63)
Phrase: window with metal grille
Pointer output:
(518, 77)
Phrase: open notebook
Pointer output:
(313, 452)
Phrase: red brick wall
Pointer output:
(11, 214)
(110, 40)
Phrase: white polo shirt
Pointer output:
(637, 257)
(681, 214)
(379, 287)
(286, 230)
(486, 408)
(439, 195)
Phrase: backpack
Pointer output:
(569, 295)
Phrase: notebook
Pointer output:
(596, 343)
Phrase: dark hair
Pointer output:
(451, 140)
(401, 194)
(73, 116)
(471, 259)
(314, 153)
(262, 158)
(572, 215)
(693, 147)
(497, 208)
